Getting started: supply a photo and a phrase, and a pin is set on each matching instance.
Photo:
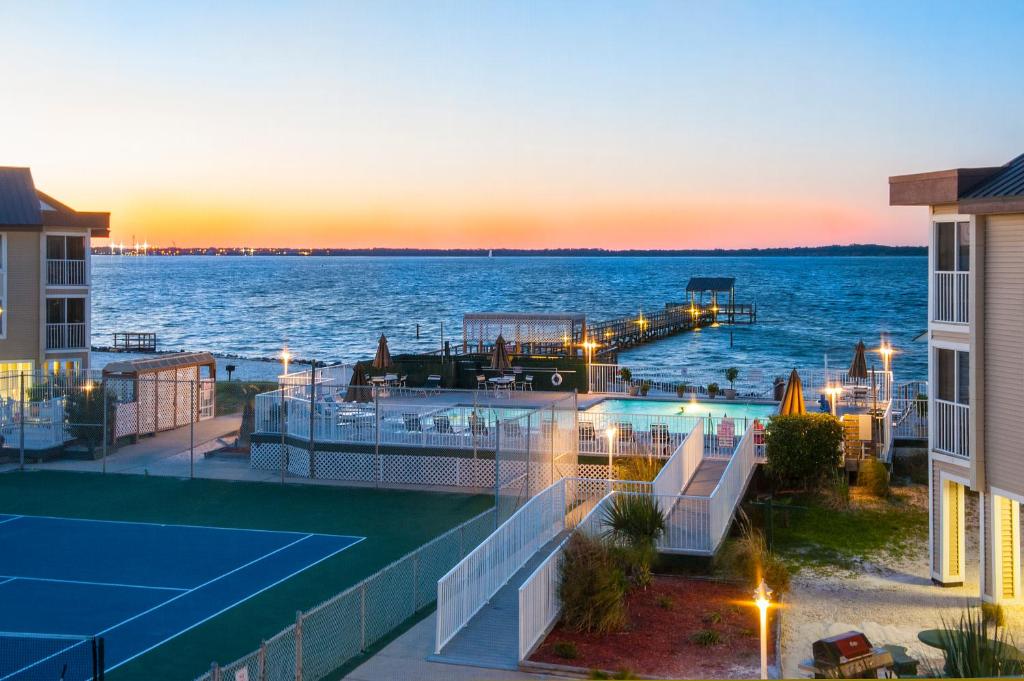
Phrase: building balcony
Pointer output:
(949, 297)
(67, 336)
(951, 428)
(65, 273)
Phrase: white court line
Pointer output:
(9, 579)
(195, 527)
(87, 583)
(13, 517)
(223, 610)
(48, 657)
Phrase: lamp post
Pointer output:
(833, 394)
(285, 358)
(886, 352)
(611, 432)
(762, 599)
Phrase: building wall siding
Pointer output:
(23, 300)
(1004, 350)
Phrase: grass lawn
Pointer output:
(393, 521)
(231, 395)
(827, 537)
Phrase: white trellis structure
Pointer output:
(525, 332)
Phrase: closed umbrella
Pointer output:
(859, 367)
(499, 358)
(793, 399)
(382, 360)
(358, 388)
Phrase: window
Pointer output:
(65, 311)
(953, 369)
(14, 375)
(953, 246)
(59, 247)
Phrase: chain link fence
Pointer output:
(338, 630)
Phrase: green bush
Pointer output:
(803, 449)
(666, 603)
(634, 523)
(713, 617)
(565, 650)
(642, 468)
(593, 586)
(706, 637)
(713, 389)
(747, 557)
(84, 411)
(873, 476)
(645, 387)
(837, 490)
(731, 374)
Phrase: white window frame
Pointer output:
(933, 262)
(3, 285)
(88, 326)
(87, 241)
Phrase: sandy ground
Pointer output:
(889, 600)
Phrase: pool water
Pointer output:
(717, 408)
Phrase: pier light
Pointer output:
(833, 392)
(886, 351)
(285, 358)
(763, 600)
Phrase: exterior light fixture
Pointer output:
(763, 600)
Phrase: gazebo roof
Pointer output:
(175, 360)
(715, 284)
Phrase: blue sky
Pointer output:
(676, 125)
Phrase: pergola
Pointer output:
(524, 331)
(697, 287)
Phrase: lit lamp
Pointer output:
(611, 432)
(285, 358)
(763, 600)
(886, 352)
(833, 394)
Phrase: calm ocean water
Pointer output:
(333, 308)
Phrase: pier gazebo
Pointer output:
(527, 332)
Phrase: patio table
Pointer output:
(501, 383)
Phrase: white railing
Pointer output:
(910, 418)
(662, 380)
(539, 604)
(65, 336)
(61, 272)
(207, 398)
(730, 488)
(687, 525)
(950, 297)
(656, 434)
(679, 469)
(951, 423)
(475, 579)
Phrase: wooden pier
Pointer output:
(624, 332)
(134, 341)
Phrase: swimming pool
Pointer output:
(717, 408)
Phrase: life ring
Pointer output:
(556, 379)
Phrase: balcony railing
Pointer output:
(951, 433)
(65, 273)
(65, 336)
(949, 296)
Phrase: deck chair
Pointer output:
(478, 426)
(660, 438)
(588, 435)
(443, 424)
(726, 434)
(626, 436)
(527, 382)
(481, 382)
(412, 423)
(433, 384)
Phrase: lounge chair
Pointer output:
(412, 423)
(726, 434)
(481, 382)
(443, 424)
(433, 384)
(660, 438)
(527, 382)
(626, 436)
(588, 435)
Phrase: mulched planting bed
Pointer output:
(668, 634)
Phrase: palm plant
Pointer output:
(634, 523)
(976, 647)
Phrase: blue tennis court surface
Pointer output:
(135, 584)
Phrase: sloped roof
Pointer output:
(1008, 181)
(19, 204)
(710, 284)
(149, 365)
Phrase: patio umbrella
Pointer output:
(382, 360)
(358, 388)
(859, 367)
(499, 358)
(793, 399)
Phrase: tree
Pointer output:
(731, 374)
(84, 411)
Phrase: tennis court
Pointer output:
(134, 584)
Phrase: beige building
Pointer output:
(976, 366)
(45, 278)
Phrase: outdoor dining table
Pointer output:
(501, 383)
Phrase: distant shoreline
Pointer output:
(856, 250)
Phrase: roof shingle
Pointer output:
(19, 204)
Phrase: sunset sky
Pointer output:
(511, 124)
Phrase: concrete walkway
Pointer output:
(405, 659)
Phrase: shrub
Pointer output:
(713, 617)
(713, 389)
(645, 387)
(593, 586)
(706, 637)
(642, 468)
(565, 650)
(666, 603)
(84, 410)
(976, 648)
(731, 374)
(803, 449)
(873, 476)
(681, 390)
(626, 374)
(837, 490)
(993, 614)
(634, 522)
(747, 557)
